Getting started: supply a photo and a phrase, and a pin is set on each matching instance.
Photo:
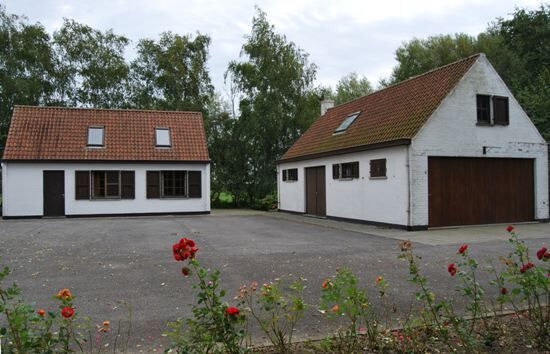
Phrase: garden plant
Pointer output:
(432, 324)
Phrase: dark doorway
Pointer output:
(469, 191)
(315, 191)
(54, 193)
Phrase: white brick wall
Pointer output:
(452, 131)
(378, 200)
(23, 195)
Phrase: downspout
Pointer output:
(409, 226)
(278, 190)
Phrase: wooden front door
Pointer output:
(315, 191)
(54, 193)
(470, 191)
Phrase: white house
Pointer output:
(84, 162)
(448, 147)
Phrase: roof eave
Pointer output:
(102, 161)
(347, 150)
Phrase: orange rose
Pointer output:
(64, 294)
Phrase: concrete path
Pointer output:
(432, 237)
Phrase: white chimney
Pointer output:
(326, 105)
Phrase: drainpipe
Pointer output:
(408, 186)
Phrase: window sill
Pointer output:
(95, 146)
(290, 181)
(484, 124)
(106, 198)
(381, 177)
(344, 179)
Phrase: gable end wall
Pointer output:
(452, 131)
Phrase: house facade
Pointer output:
(449, 147)
(94, 162)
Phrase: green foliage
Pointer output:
(211, 329)
(342, 297)
(91, 70)
(274, 84)
(27, 66)
(351, 87)
(27, 331)
(531, 286)
(276, 310)
(171, 73)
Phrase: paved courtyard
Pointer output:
(109, 260)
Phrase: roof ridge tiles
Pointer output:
(108, 109)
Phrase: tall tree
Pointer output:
(274, 81)
(92, 70)
(171, 73)
(351, 87)
(27, 66)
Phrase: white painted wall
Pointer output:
(452, 131)
(379, 200)
(23, 196)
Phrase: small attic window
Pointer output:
(162, 137)
(347, 122)
(96, 136)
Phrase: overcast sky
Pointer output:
(341, 36)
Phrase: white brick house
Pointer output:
(448, 147)
(93, 162)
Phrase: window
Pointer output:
(484, 109)
(96, 136)
(104, 185)
(162, 137)
(346, 170)
(347, 122)
(174, 184)
(500, 109)
(290, 175)
(378, 168)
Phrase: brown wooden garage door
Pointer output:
(469, 191)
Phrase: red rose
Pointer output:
(452, 268)
(542, 253)
(509, 228)
(232, 311)
(67, 311)
(184, 249)
(463, 248)
(41, 312)
(503, 291)
(525, 267)
(185, 271)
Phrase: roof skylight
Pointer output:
(162, 136)
(347, 122)
(96, 136)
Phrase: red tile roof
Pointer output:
(55, 133)
(393, 114)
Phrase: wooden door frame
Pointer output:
(44, 172)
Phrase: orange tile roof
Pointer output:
(395, 113)
(56, 133)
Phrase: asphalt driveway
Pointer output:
(106, 261)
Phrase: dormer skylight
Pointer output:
(96, 136)
(347, 122)
(162, 137)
